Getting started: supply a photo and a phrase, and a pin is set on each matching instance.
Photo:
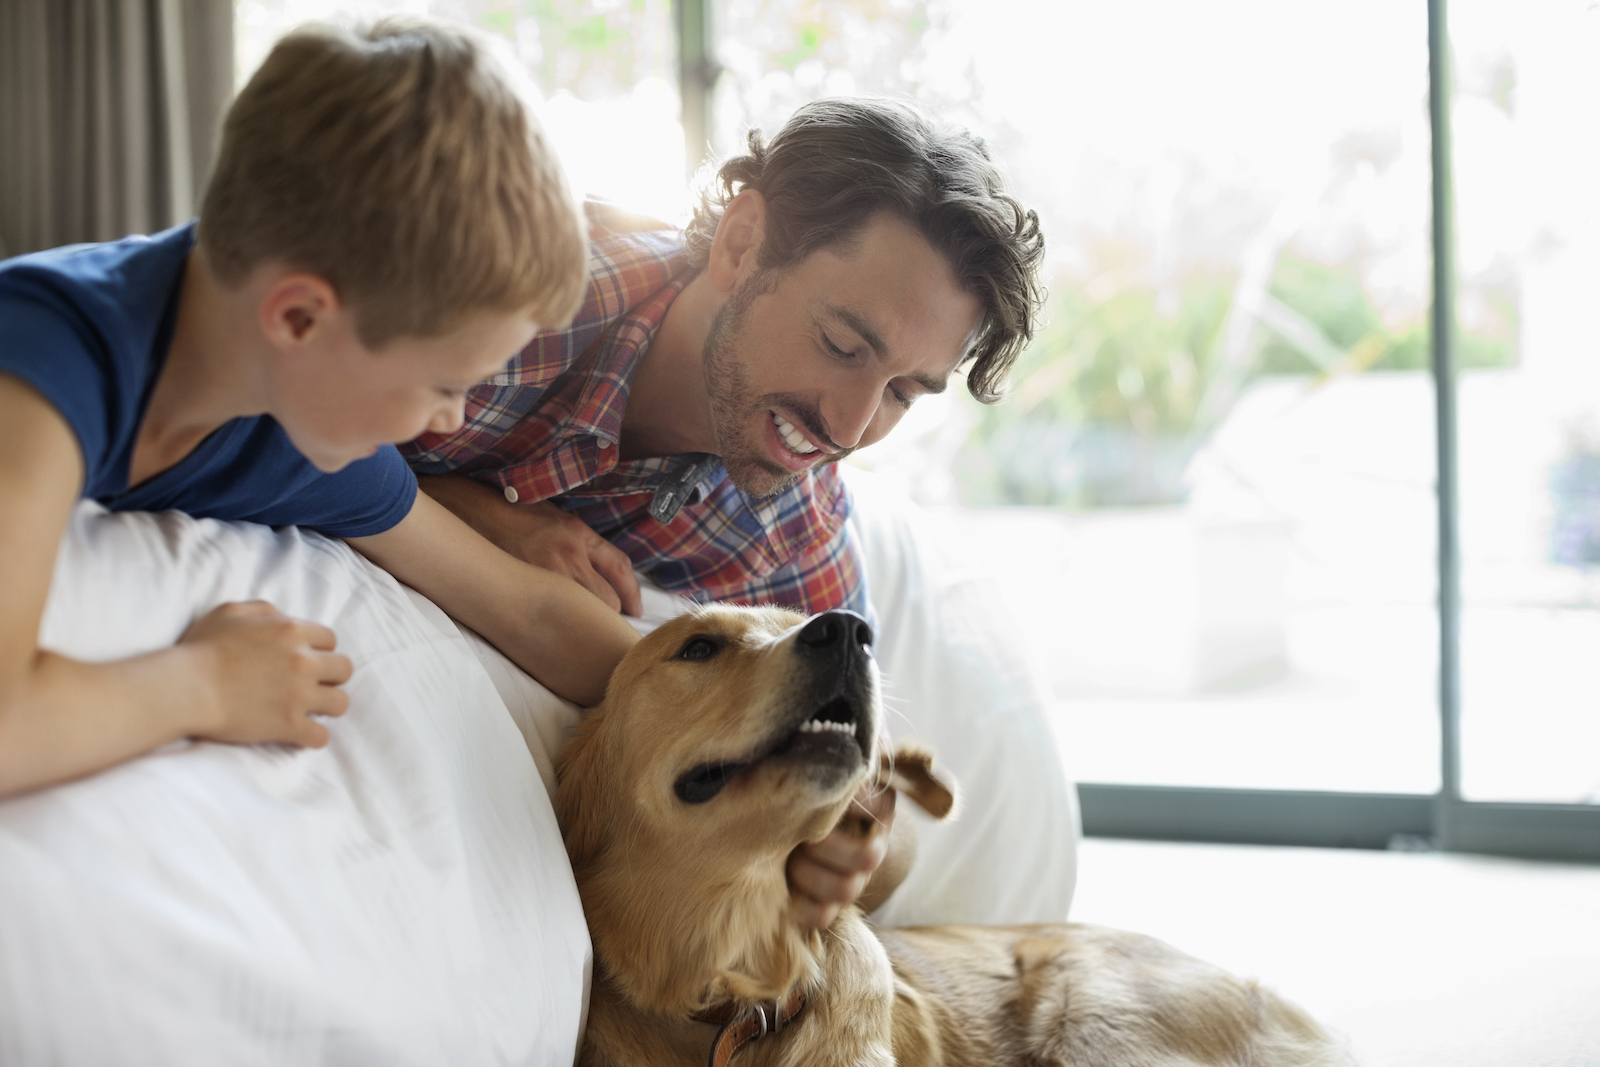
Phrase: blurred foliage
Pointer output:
(594, 49)
(1105, 406)
(1103, 402)
(778, 54)
(1332, 299)
(1124, 358)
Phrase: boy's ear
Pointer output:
(293, 307)
(736, 248)
(910, 770)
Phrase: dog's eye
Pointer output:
(705, 781)
(699, 647)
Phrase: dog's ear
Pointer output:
(910, 770)
(577, 807)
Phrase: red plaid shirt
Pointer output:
(547, 426)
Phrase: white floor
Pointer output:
(1416, 960)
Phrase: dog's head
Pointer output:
(727, 737)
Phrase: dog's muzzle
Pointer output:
(834, 725)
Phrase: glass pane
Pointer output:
(1527, 99)
(606, 68)
(1212, 488)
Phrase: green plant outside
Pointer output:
(1106, 405)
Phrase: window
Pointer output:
(1526, 85)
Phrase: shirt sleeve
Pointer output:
(46, 342)
(364, 498)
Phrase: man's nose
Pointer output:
(852, 414)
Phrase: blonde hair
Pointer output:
(398, 162)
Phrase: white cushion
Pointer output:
(958, 676)
(399, 897)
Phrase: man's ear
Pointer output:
(736, 248)
(294, 308)
(910, 770)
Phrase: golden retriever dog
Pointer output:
(728, 737)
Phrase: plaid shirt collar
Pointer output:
(603, 393)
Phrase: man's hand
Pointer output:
(269, 674)
(825, 876)
(544, 535)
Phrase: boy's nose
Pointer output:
(449, 419)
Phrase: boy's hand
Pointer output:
(269, 674)
(833, 872)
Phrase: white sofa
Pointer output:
(402, 896)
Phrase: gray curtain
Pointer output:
(109, 115)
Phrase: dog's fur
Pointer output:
(682, 879)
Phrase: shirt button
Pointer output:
(603, 441)
(511, 494)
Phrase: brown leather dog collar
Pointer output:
(742, 1026)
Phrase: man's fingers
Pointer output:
(876, 805)
(572, 561)
(597, 584)
(815, 915)
(822, 884)
(616, 568)
(845, 852)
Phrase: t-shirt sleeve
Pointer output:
(364, 498)
(47, 341)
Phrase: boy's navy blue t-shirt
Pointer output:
(89, 327)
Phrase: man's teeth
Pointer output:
(791, 436)
(825, 726)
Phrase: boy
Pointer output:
(385, 227)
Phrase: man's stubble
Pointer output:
(732, 407)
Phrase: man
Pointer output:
(688, 422)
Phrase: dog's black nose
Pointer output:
(835, 630)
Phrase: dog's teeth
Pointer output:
(817, 726)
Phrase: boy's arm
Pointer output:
(546, 623)
(242, 673)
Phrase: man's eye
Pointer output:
(835, 350)
(899, 397)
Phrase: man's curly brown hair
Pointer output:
(837, 163)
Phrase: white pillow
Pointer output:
(958, 676)
(399, 897)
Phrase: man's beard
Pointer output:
(733, 409)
